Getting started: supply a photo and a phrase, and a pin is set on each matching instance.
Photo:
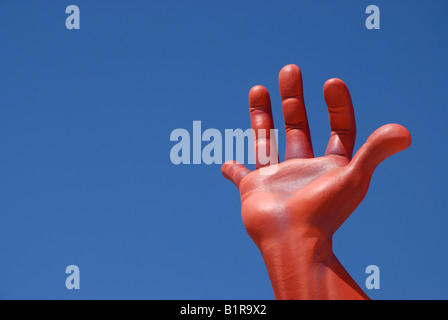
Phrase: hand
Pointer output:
(293, 213)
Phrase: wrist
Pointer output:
(305, 267)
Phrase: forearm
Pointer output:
(306, 268)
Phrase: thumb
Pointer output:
(382, 143)
(234, 171)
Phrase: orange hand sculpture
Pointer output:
(292, 213)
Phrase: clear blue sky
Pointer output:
(86, 116)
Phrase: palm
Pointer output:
(290, 193)
(304, 194)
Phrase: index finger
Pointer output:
(342, 118)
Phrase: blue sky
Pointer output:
(86, 116)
